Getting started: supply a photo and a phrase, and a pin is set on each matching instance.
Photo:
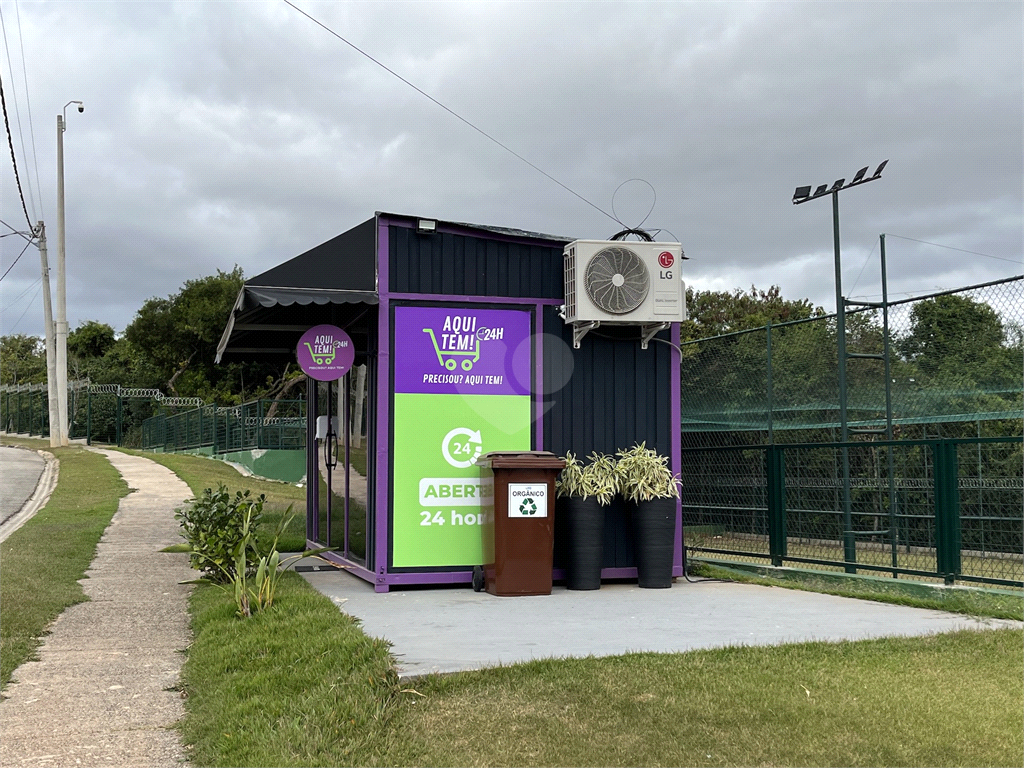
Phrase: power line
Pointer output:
(16, 231)
(452, 112)
(16, 260)
(38, 197)
(862, 266)
(951, 248)
(15, 300)
(31, 302)
(14, 161)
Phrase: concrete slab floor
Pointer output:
(456, 629)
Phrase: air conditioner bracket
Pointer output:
(579, 330)
(648, 332)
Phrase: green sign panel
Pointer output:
(445, 417)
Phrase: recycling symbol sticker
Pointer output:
(528, 500)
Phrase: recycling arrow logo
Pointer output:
(528, 507)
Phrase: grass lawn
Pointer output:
(955, 699)
(301, 685)
(43, 560)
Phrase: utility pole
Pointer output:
(62, 303)
(51, 361)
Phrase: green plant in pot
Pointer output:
(585, 491)
(650, 490)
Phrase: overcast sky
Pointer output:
(223, 133)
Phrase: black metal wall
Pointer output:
(617, 394)
(463, 265)
(605, 396)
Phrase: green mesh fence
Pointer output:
(260, 424)
(955, 359)
(942, 500)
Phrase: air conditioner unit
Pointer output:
(614, 282)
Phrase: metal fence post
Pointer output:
(120, 413)
(259, 424)
(947, 510)
(775, 466)
(88, 417)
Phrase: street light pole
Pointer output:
(61, 324)
(802, 195)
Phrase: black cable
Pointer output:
(14, 162)
(450, 111)
(16, 260)
(15, 231)
(951, 248)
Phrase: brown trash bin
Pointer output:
(519, 532)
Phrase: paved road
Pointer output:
(20, 469)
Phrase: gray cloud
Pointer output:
(224, 133)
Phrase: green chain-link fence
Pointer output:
(261, 424)
(763, 469)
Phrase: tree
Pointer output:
(953, 337)
(713, 313)
(179, 334)
(91, 339)
(175, 340)
(22, 359)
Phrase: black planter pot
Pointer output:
(584, 528)
(654, 536)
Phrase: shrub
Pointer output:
(215, 526)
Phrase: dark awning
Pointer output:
(269, 321)
(334, 282)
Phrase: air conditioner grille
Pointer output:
(616, 280)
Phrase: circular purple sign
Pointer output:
(325, 353)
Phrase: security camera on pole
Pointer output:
(61, 323)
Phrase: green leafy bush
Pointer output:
(215, 526)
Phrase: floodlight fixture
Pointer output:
(803, 194)
(426, 226)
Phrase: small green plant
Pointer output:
(214, 524)
(253, 578)
(596, 479)
(643, 475)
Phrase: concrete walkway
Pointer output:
(103, 690)
(456, 629)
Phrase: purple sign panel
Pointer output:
(447, 351)
(325, 353)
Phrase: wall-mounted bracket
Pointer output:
(579, 330)
(648, 332)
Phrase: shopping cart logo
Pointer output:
(448, 354)
(324, 353)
